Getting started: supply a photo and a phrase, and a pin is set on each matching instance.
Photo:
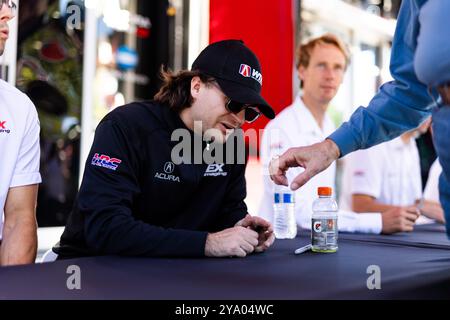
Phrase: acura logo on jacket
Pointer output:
(169, 168)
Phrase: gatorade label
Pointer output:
(324, 233)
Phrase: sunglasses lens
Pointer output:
(251, 114)
(234, 106)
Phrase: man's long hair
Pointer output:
(175, 91)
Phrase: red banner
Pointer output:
(266, 27)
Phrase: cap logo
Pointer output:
(246, 71)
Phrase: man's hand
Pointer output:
(266, 237)
(237, 241)
(400, 219)
(314, 159)
(432, 210)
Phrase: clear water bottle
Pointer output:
(324, 228)
(285, 226)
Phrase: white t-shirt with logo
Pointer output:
(19, 143)
(389, 172)
(431, 191)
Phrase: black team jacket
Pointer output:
(135, 201)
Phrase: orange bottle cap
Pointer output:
(325, 191)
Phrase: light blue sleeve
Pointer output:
(433, 43)
(400, 105)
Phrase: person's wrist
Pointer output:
(209, 245)
(332, 148)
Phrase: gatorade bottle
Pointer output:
(285, 226)
(324, 229)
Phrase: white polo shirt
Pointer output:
(295, 126)
(389, 172)
(431, 191)
(19, 143)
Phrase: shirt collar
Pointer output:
(173, 119)
(309, 124)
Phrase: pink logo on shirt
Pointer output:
(359, 173)
(3, 128)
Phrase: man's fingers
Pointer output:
(250, 236)
(260, 222)
(412, 217)
(314, 159)
(301, 179)
(408, 225)
(411, 213)
(270, 240)
(412, 209)
(240, 253)
(280, 180)
(247, 247)
(279, 165)
(252, 241)
(260, 248)
(246, 222)
(409, 228)
(276, 174)
(267, 241)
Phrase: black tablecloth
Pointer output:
(413, 265)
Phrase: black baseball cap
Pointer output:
(237, 71)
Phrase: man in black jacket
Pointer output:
(141, 198)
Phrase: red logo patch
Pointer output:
(245, 70)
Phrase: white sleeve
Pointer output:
(365, 174)
(26, 171)
(431, 191)
(349, 221)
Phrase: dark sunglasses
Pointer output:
(11, 5)
(251, 113)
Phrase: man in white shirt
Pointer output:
(433, 210)
(321, 67)
(19, 165)
(386, 179)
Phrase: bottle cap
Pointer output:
(325, 191)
